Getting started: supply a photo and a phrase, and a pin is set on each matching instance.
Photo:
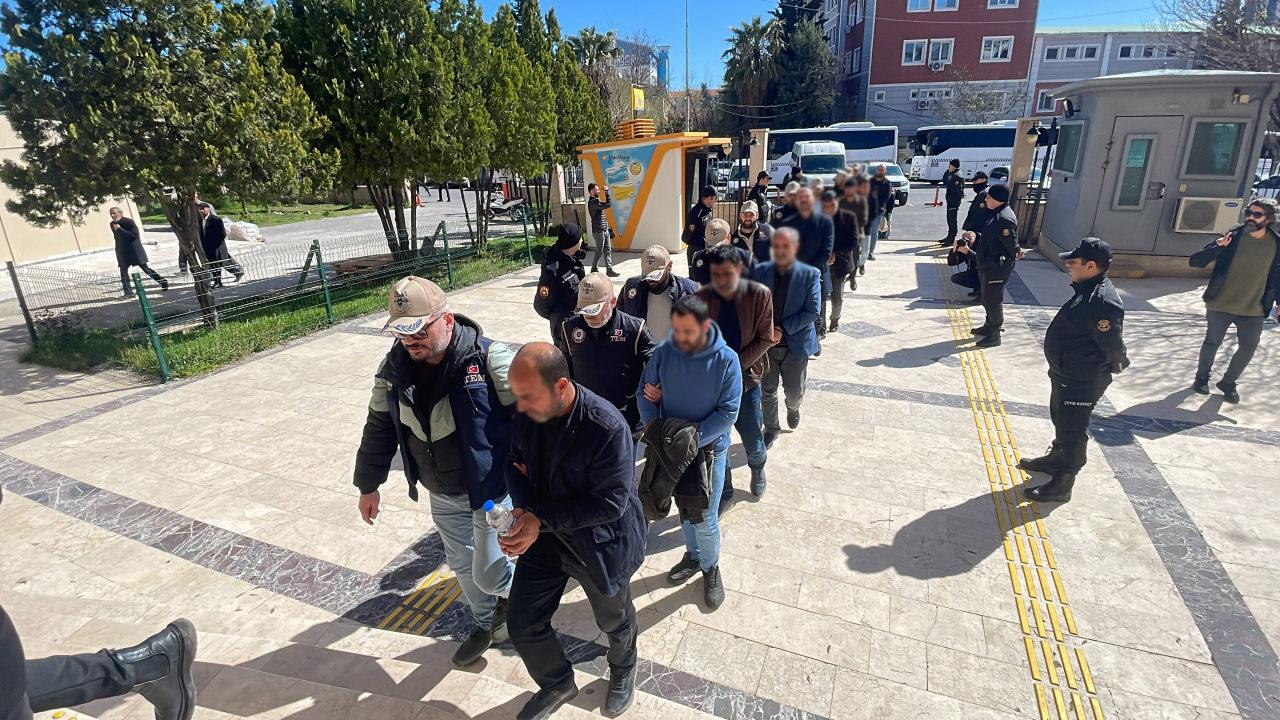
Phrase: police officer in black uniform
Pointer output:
(994, 252)
(607, 348)
(1084, 348)
(561, 272)
(976, 216)
(953, 183)
(695, 222)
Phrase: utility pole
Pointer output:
(688, 96)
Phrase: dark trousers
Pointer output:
(221, 260)
(541, 576)
(953, 212)
(688, 254)
(127, 282)
(991, 289)
(1248, 334)
(1071, 404)
(54, 682)
(839, 274)
(789, 370)
(604, 248)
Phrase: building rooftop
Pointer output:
(1103, 30)
(1164, 77)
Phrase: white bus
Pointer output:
(863, 142)
(977, 147)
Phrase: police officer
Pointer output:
(760, 194)
(994, 253)
(788, 206)
(977, 214)
(1084, 348)
(695, 222)
(608, 348)
(953, 182)
(561, 272)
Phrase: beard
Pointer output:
(1254, 225)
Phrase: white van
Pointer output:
(818, 159)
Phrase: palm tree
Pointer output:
(750, 66)
(596, 54)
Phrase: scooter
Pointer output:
(499, 205)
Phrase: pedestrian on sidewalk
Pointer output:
(129, 251)
(441, 399)
(743, 310)
(600, 228)
(854, 200)
(797, 295)
(558, 283)
(213, 238)
(752, 233)
(653, 293)
(760, 195)
(1085, 348)
(571, 472)
(695, 377)
(953, 184)
(608, 348)
(994, 249)
(718, 234)
(817, 238)
(882, 190)
(873, 214)
(788, 206)
(695, 222)
(843, 252)
(1243, 290)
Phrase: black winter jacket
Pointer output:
(1084, 340)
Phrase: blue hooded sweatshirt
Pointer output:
(703, 387)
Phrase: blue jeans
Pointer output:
(869, 247)
(702, 540)
(471, 549)
(750, 427)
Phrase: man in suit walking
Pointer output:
(129, 250)
(797, 296)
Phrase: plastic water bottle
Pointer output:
(499, 517)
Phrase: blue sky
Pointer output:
(709, 22)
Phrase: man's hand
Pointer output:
(522, 533)
(653, 393)
(1225, 240)
(1022, 252)
(777, 333)
(831, 260)
(962, 248)
(524, 470)
(369, 506)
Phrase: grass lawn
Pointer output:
(277, 215)
(254, 324)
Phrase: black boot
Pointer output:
(1056, 490)
(991, 340)
(712, 588)
(622, 690)
(757, 482)
(481, 639)
(1201, 385)
(162, 667)
(1229, 393)
(1050, 462)
(981, 331)
(685, 569)
(545, 702)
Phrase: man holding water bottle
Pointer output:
(441, 399)
(577, 515)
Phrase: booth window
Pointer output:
(1214, 149)
(1066, 158)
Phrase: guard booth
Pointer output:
(1156, 163)
(653, 182)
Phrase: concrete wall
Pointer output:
(21, 241)
(1049, 73)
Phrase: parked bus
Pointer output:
(977, 147)
(863, 142)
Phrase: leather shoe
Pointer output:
(980, 331)
(545, 702)
(769, 437)
(1047, 463)
(162, 665)
(1229, 393)
(793, 419)
(757, 482)
(1056, 490)
(622, 690)
(990, 341)
(1201, 385)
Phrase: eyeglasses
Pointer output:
(1255, 214)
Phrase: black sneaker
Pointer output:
(757, 482)
(612, 273)
(835, 325)
(853, 281)
(981, 331)
(871, 256)
(685, 569)
(862, 270)
(473, 647)
(990, 341)
(712, 588)
(499, 626)
(545, 702)
(622, 690)
(1229, 393)
(793, 419)
(1201, 385)
(164, 285)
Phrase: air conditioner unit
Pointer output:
(922, 104)
(1211, 216)
(936, 66)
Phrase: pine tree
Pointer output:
(806, 78)
(468, 129)
(112, 100)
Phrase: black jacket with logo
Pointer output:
(978, 214)
(558, 286)
(695, 226)
(1084, 340)
(610, 360)
(634, 298)
(997, 245)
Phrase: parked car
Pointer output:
(901, 186)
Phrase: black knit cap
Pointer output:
(568, 236)
(1000, 193)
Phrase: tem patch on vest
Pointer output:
(617, 335)
(692, 226)
(578, 335)
(1104, 325)
(543, 291)
(631, 293)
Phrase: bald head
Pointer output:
(539, 378)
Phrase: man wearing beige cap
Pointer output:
(717, 234)
(441, 399)
(651, 295)
(752, 233)
(607, 348)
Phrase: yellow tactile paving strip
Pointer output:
(1060, 675)
(422, 607)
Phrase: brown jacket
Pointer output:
(755, 318)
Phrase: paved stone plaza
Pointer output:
(889, 572)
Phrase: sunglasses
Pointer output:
(1253, 214)
(420, 335)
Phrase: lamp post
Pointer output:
(688, 99)
(1042, 138)
(744, 155)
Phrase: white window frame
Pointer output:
(991, 41)
(1057, 53)
(879, 96)
(1079, 149)
(928, 5)
(855, 65)
(949, 43)
(1043, 95)
(1002, 4)
(1188, 141)
(1146, 173)
(946, 9)
(1084, 52)
(1060, 51)
(924, 52)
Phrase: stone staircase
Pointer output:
(255, 664)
